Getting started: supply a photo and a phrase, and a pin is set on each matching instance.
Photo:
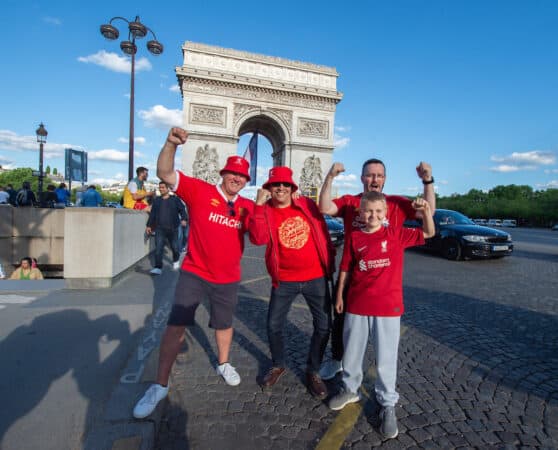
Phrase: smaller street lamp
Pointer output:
(41, 139)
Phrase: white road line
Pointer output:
(12, 299)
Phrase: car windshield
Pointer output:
(451, 218)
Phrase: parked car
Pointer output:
(336, 229)
(458, 237)
(555, 227)
(480, 221)
(113, 205)
(494, 222)
(511, 223)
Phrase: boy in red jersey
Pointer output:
(373, 258)
(211, 268)
(399, 209)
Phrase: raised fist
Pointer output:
(177, 136)
(336, 169)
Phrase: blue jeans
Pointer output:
(162, 236)
(183, 236)
(317, 296)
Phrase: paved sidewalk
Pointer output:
(467, 378)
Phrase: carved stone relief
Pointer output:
(313, 128)
(206, 164)
(259, 94)
(208, 114)
(311, 175)
(241, 109)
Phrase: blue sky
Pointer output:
(469, 86)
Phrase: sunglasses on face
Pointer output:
(281, 183)
(232, 212)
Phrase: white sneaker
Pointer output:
(155, 271)
(330, 368)
(154, 394)
(176, 265)
(229, 374)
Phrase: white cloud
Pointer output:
(533, 158)
(160, 117)
(174, 88)
(115, 62)
(13, 142)
(5, 161)
(347, 177)
(342, 129)
(340, 142)
(109, 155)
(548, 171)
(52, 20)
(506, 168)
(550, 185)
(137, 140)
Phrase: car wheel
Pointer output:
(451, 249)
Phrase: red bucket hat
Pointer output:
(280, 174)
(237, 164)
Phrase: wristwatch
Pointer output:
(428, 182)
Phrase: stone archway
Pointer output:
(227, 93)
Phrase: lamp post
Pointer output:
(138, 30)
(41, 133)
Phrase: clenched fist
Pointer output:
(177, 136)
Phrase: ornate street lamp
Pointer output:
(138, 30)
(41, 133)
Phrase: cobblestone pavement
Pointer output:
(478, 367)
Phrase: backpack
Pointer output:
(22, 198)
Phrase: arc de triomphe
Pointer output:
(227, 93)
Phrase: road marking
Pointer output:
(254, 280)
(13, 299)
(345, 421)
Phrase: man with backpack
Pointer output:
(25, 196)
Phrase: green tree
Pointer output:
(16, 178)
(55, 171)
(47, 171)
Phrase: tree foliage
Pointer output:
(16, 178)
(521, 203)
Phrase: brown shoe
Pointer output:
(316, 386)
(272, 376)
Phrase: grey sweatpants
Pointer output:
(385, 333)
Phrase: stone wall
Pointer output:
(94, 245)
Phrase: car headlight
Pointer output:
(509, 238)
(475, 238)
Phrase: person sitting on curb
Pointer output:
(211, 268)
(373, 259)
(300, 259)
(26, 272)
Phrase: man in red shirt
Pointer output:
(300, 259)
(373, 256)
(399, 209)
(211, 268)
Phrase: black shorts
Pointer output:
(191, 289)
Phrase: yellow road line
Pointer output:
(345, 421)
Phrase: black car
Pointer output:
(336, 230)
(458, 237)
